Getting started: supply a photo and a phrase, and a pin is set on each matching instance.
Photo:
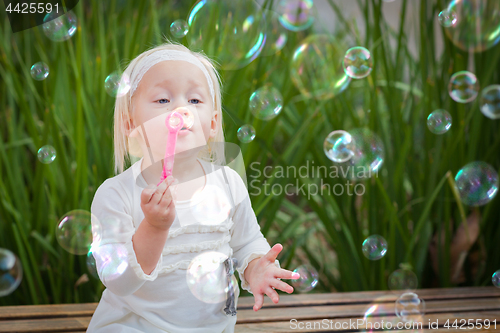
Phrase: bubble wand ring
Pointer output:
(174, 123)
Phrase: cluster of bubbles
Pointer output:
(266, 103)
(463, 87)
(59, 28)
(46, 154)
(179, 28)
(476, 28)
(374, 247)
(358, 62)
(246, 133)
(312, 70)
(39, 71)
(11, 272)
(296, 15)
(308, 278)
(239, 24)
(439, 121)
(207, 278)
(477, 183)
(490, 101)
(117, 84)
(77, 230)
(447, 18)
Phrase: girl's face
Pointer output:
(165, 87)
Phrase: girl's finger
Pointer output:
(259, 301)
(286, 274)
(275, 283)
(273, 253)
(273, 295)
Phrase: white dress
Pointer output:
(162, 301)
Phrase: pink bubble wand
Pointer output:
(174, 123)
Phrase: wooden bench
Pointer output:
(337, 312)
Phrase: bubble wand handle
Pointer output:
(174, 123)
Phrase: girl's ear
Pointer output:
(213, 125)
(130, 129)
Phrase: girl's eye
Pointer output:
(163, 99)
(195, 99)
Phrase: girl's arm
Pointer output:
(148, 242)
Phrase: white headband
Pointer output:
(149, 61)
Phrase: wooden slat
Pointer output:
(78, 324)
(47, 311)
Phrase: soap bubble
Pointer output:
(495, 278)
(478, 26)
(266, 102)
(210, 205)
(477, 183)
(179, 28)
(368, 155)
(402, 280)
(91, 265)
(463, 87)
(60, 28)
(308, 278)
(111, 259)
(379, 315)
(117, 84)
(276, 34)
(447, 18)
(246, 133)
(76, 231)
(358, 62)
(439, 121)
(315, 69)
(207, 277)
(39, 71)
(410, 308)
(46, 154)
(338, 146)
(11, 272)
(227, 30)
(375, 247)
(296, 15)
(490, 101)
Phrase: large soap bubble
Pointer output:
(478, 24)
(477, 183)
(231, 32)
(316, 67)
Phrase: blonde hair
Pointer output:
(124, 147)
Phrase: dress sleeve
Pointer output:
(112, 246)
(247, 241)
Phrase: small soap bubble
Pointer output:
(463, 87)
(207, 278)
(308, 278)
(60, 28)
(296, 15)
(46, 154)
(117, 84)
(439, 121)
(266, 102)
(358, 62)
(246, 133)
(39, 71)
(447, 18)
(495, 278)
(410, 308)
(179, 28)
(76, 231)
(210, 205)
(490, 101)
(338, 146)
(375, 247)
(402, 280)
(477, 183)
(11, 272)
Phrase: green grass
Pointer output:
(409, 202)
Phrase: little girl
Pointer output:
(151, 235)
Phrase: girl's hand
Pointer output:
(157, 204)
(263, 278)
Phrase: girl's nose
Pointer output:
(187, 116)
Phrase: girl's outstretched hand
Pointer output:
(264, 278)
